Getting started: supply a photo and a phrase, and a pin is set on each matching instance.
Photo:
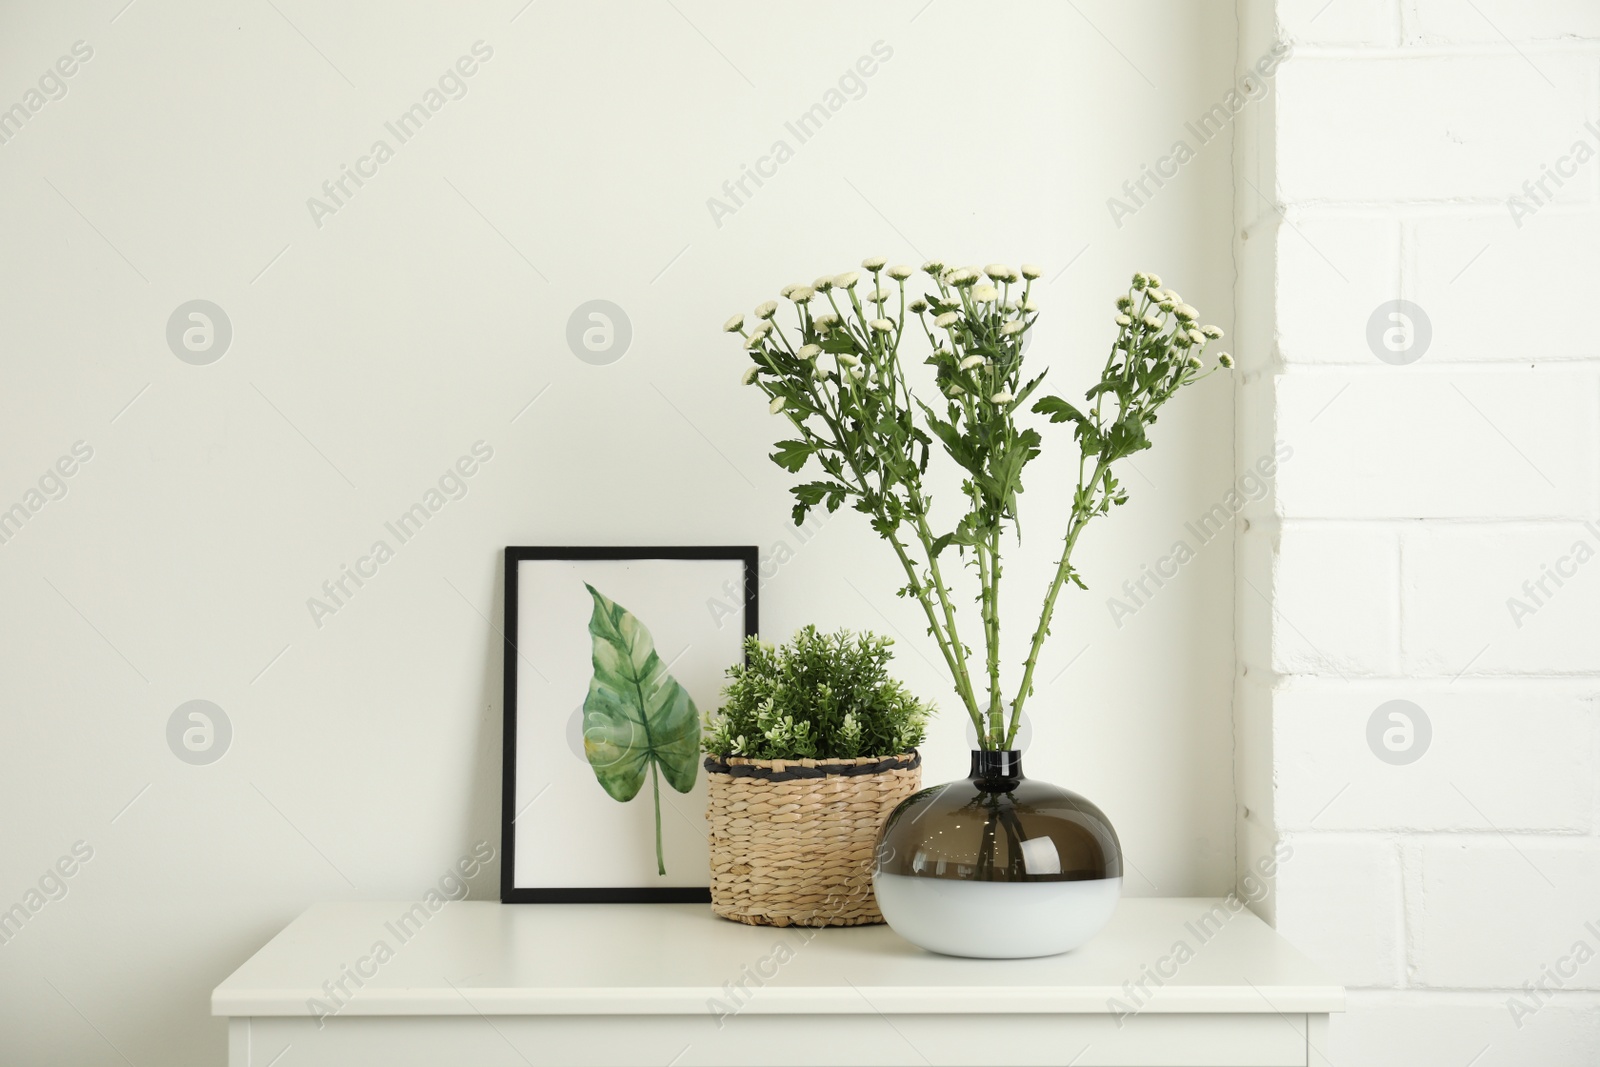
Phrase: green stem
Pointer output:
(655, 786)
(1080, 518)
(996, 715)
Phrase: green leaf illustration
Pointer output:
(637, 719)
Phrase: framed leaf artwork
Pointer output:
(612, 658)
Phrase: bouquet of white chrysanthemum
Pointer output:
(837, 376)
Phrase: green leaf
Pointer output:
(637, 719)
(1058, 410)
(792, 455)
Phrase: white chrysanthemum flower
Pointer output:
(935, 267)
(918, 306)
(1213, 332)
(1197, 337)
(749, 374)
(962, 276)
(1002, 397)
(761, 329)
(819, 374)
(1172, 295)
(1151, 321)
(1225, 359)
(1140, 280)
(882, 325)
(1000, 272)
(1030, 304)
(1031, 271)
(766, 309)
(874, 262)
(881, 294)
(1165, 304)
(948, 319)
(754, 340)
(858, 373)
(1186, 312)
(1014, 326)
(823, 284)
(847, 280)
(985, 294)
(1181, 339)
(954, 391)
(1194, 361)
(809, 351)
(970, 362)
(825, 318)
(1153, 280)
(776, 405)
(1124, 320)
(1124, 302)
(786, 290)
(734, 324)
(846, 359)
(900, 272)
(802, 294)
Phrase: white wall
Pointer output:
(1421, 496)
(369, 352)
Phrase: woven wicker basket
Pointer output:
(792, 840)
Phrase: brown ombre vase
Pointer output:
(997, 866)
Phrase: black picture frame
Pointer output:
(510, 893)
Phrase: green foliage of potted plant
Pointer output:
(866, 437)
(813, 747)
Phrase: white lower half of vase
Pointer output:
(995, 920)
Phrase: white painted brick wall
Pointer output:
(1419, 500)
(1466, 1028)
(1429, 128)
(1340, 580)
(1492, 599)
(1492, 21)
(1432, 441)
(1536, 776)
(1499, 908)
(1340, 901)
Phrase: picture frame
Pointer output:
(612, 657)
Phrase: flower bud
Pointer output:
(734, 324)
(874, 263)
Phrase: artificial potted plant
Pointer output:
(814, 745)
(997, 865)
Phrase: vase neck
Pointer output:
(989, 764)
